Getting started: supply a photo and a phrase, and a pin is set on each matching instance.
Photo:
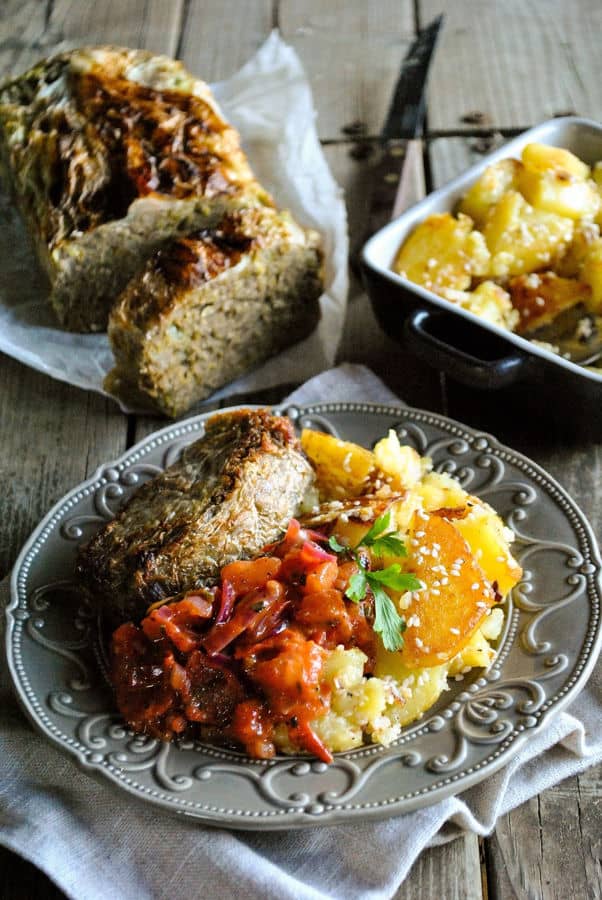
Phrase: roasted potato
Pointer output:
(342, 468)
(591, 274)
(585, 234)
(498, 178)
(523, 239)
(489, 301)
(540, 297)
(443, 252)
(557, 181)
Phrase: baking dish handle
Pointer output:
(423, 330)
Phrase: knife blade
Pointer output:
(400, 152)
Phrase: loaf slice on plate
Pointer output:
(212, 305)
(110, 152)
(231, 492)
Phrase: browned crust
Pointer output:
(165, 538)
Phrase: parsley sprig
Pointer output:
(381, 541)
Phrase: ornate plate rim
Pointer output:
(443, 788)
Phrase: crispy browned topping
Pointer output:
(161, 140)
(202, 255)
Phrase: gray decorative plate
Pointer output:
(547, 650)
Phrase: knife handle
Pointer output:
(397, 181)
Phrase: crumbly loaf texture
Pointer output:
(208, 307)
(110, 152)
(231, 492)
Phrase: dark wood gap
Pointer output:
(182, 27)
(130, 432)
(275, 13)
(432, 135)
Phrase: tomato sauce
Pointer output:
(233, 663)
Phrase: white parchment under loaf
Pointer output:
(269, 101)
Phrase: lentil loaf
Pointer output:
(210, 306)
(110, 152)
(231, 492)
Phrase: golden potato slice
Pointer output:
(551, 192)
(523, 239)
(484, 532)
(491, 302)
(498, 178)
(443, 252)
(541, 159)
(438, 489)
(342, 468)
(441, 618)
(540, 297)
(402, 464)
(591, 274)
(555, 180)
(420, 687)
(584, 235)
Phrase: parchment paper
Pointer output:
(269, 101)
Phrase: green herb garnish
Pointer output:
(387, 621)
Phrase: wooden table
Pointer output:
(500, 68)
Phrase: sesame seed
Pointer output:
(465, 670)
(475, 586)
(418, 642)
(459, 677)
(455, 630)
(414, 542)
(500, 559)
(481, 605)
(420, 533)
(445, 580)
(435, 591)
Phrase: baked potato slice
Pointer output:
(342, 468)
(540, 297)
(585, 234)
(523, 239)
(443, 252)
(441, 619)
(555, 180)
(591, 274)
(497, 178)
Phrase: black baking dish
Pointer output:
(454, 340)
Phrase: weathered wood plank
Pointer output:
(154, 25)
(352, 52)
(516, 63)
(53, 436)
(31, 29)
(218, 38)
(449, 872)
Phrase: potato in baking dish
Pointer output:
(538, 216)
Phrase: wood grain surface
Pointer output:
(513, 64)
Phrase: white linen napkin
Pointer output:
(95, 842)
